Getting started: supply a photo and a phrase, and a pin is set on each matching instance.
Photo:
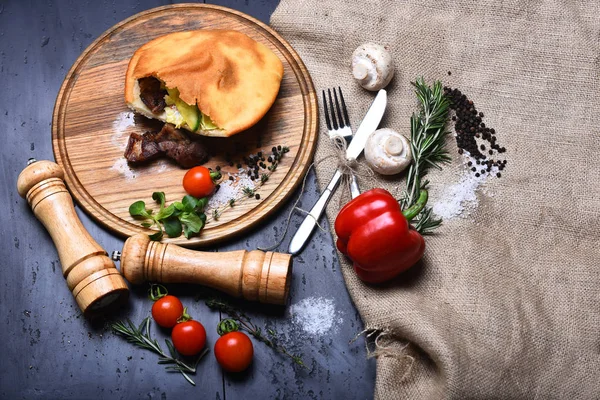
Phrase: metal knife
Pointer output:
(355, 148)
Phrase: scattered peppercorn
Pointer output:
(471, 130)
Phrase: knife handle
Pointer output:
(310, 221)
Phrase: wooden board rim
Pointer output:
(243, 223)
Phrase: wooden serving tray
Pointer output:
(91, 125)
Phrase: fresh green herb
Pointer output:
(248, 191)
(140, 336)
(428, 138)
(186, 216)
(240, 320)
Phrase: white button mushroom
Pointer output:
(387, 152)
(372, 66)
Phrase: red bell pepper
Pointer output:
(374, 232)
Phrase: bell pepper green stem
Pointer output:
(411, 212)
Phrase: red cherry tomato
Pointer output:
(189, 337)
(234, 351)
(198, 182)
(166, 311)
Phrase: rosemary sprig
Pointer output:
(140, 336)
(428, 136)
(245, 323)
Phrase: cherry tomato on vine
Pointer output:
(189, 337)
(198, 181)
(234, 351)
(167, 310)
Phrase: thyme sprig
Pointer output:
(428, 138)
(140, 336)
(245, 323)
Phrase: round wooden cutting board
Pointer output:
(91, 126)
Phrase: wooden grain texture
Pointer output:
(253, 275)
(89, 133)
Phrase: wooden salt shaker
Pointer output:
(91, 275)
(253, 275)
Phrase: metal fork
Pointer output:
(338, 126)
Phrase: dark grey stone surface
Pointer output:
(49, 350)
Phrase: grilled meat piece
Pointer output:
(172, 142)
(152, 94)
(141, 148)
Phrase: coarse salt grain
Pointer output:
(461, 197)
(315, 315)
(122, 167)
(231, 189)
(124, 120)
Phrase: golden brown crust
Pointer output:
(232, 78)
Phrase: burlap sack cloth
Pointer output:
(506, 303)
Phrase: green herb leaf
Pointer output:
(201, 205)
(138, 209)
(192, 221)
(157, 236)
(172, 226)
(165, 212)
(159, 197)
(147, 224)
(189, 203)
(187, 232)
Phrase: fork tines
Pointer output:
(338, 122)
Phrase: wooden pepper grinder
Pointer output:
(91, 275)
(253, 275)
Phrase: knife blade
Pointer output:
(369, 124)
